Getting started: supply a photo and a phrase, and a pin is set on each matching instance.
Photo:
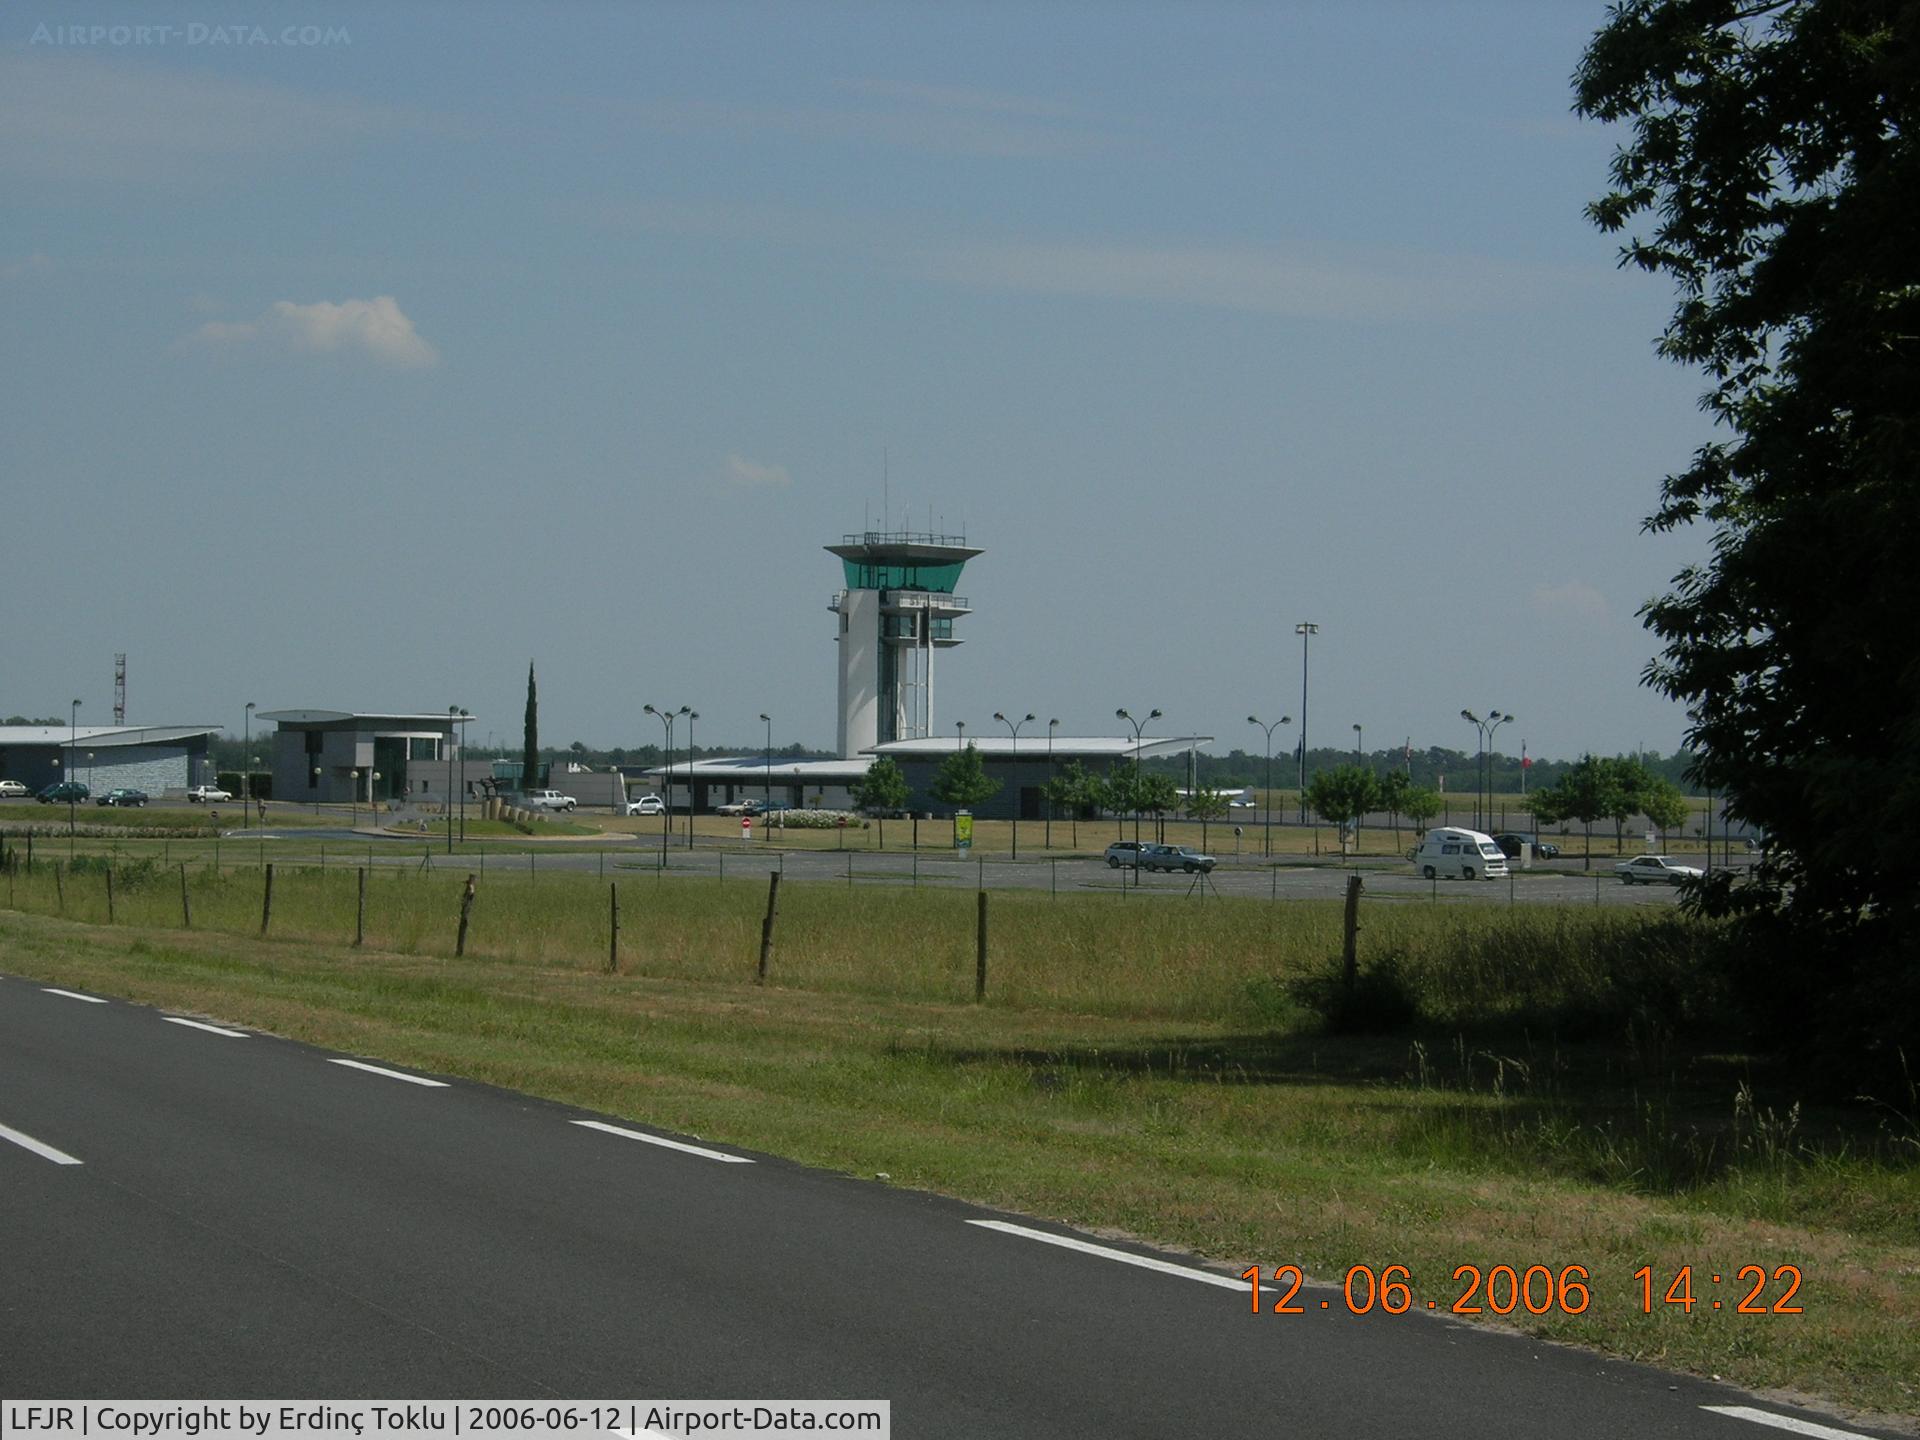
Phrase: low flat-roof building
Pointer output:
(340, 756)
(153, 758)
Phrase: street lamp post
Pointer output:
(73, 740)
(316, 789)
(1014, 729)
(1052, 725)
(1138, 726)
(769, 720)
(1266, 810)
(246, 748)
(692, 715)
(461, 749)
(453, 716)
(353, 800)
(1306, 630)
(1483, 762)
(665, 717)
(1359, 746)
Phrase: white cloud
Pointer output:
(376, 327)
(1576, 600)
(75, 117)
(751, 473)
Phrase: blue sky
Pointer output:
(353, 356)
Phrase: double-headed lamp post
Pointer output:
(692, 715)
(246, 751)
(665, 717)
(1483, 767)
(1013, 728)
(1138, 726)
(1266, 810)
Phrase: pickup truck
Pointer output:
(202, 794)
(547, 800)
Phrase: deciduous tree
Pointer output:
(1771, 170)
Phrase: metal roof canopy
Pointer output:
(335, 717)
(1065, 747)
(101, 737)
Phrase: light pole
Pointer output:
(353, 801)
(769, 720)
(665, 717)
(1494, 721)
(1014, 729)
(453, 715)
(246, 748)
(1483, 768)
(1359, 746)
(1266, 810)
(692, 715)
(1306, 630)
(461, 747)
(1052, 725)
(316, 789)
(73, 740)
(1138, 726)
(959, 735)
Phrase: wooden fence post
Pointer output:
(1350, 947)
(109, 895)
(980, 953)
(360, 910)
(766, 926)
(60, 890)
(186, 905)
(613, 937)
(466, 911)
(266, 902)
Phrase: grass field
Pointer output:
(1160, 1071)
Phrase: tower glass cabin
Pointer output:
(898, 608)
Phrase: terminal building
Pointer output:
(895, 614)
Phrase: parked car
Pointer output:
(122, 796)
(1655, 870)
(739, 807)
(13, 788)
(1123, 852)
(1174, 857)
(1514, 846)
(209, 795)
(647, 805)
(774, 808)
(547, 800)
(1453, 852)
(64, 792)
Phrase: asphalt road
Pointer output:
(248, 1217)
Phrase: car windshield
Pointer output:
(1489, 848)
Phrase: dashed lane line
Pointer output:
(202, 1025)
(1087, 1247)
(44, 1151)
(74, 995)
(1783, 1422)
(391, 1074)
(665, 1143)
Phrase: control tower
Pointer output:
(897, 610)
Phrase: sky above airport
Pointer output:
(353, 356)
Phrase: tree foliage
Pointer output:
(1772, 169)
(530, 743)
(962, 780)
(1343, 794)
(881, 791)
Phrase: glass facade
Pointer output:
(940, 579)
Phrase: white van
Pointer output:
(1450, 853)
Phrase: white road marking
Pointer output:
(202, 1025)
(1783, 1422)
(74, 995)
(665, 1143)
(1165, 1267)
(45, 1152)
(391, 1074)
